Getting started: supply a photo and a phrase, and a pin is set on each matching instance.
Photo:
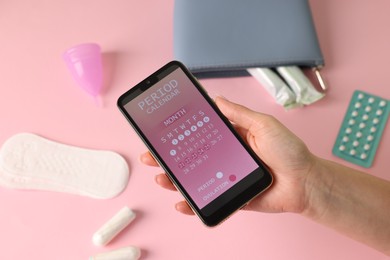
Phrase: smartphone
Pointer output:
(194, 143)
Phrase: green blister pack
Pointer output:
(362, 128)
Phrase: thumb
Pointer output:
(240, 115)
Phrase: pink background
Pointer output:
(39, 96)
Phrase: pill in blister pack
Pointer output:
(362, 128)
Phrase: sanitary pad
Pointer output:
(28, 161)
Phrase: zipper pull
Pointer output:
(320, 78)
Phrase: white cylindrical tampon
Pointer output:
(300, 84)
(112, 227)
(275, 86)
(125, 253)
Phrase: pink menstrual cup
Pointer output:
(85, 64)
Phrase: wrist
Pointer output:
(318, 189)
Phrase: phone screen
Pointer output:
(192, 141)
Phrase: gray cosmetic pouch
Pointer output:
(223, 38)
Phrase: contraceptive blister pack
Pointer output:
(362, 128)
